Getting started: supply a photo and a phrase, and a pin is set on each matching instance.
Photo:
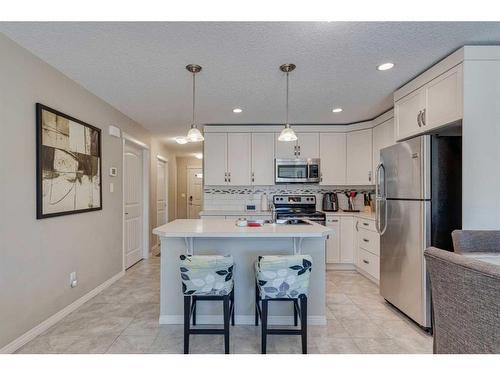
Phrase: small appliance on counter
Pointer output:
(330, 202)
(367, 202)
(350, 200)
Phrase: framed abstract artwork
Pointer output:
(68, 164)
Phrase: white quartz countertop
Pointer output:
(234, 213)
(216, 228)
(361, 215)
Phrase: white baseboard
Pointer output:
(315, 320)
(368, 276)
(340, 267)
(46, 324)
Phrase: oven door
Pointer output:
(291, 171)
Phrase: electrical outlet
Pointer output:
(73, 282)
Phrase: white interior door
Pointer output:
(195, 192)
(161, 194)
(132, 194)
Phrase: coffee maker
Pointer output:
(330, 202)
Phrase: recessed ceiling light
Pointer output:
(385, 66)
(237, 110)
(337, 110)
(181, 140)
(198, 156)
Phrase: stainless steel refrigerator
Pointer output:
(418, 197)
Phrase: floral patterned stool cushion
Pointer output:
(283, 276)
(206, 275)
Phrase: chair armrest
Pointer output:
(473, 241)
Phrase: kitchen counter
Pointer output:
(234, 213)
(361, 215)
(226, 228)
(245, 244)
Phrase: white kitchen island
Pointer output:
(245, 244)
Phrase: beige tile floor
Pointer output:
(124, 319)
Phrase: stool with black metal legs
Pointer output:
(207, 278)
(282, 278)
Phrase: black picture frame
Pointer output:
(39, 163)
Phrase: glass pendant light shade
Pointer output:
(287, 134)
(194, 134)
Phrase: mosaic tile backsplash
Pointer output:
(237, 197)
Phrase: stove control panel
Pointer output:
(294, 199)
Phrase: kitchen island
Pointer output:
(245, 244)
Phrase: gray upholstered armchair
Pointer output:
(466, 293)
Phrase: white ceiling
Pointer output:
(139, 67)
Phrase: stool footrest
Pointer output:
(284, 331)
(206, 331)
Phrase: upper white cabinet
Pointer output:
(435, 104)
(239, 160)
(263, 159)
(444, 99)
(306, 146)
(332, 152)
(215, 159)
(359, 157)
(408, 112)
(383, 136)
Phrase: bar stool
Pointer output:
(207, 278)
(282, 278)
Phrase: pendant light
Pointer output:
(194, 134)
(287, 134)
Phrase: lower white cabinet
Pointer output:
(367, 248)
(333, 242)
(347, 239)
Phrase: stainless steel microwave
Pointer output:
(290, 171)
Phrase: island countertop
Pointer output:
(227, 228)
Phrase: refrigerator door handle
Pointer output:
(380, 198)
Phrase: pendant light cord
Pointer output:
(287, 99)
(194, 96)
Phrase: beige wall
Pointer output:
(37, 256)
(182, 164)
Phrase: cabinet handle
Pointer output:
(366, 224)
(321, 177)
(364, 239)
(225, 177)
(357, 223)
(418, 119)
(365, 261)
(422, 117)
(253, 176)
(369, 176)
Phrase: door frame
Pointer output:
(187, 186)
(156, 247)
(126, 138)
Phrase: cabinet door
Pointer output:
(332, 152)
(444, 99)
(214, 158)
(359, 157)
(284, 150)
(333, 242)
(262, 159)
(347, 239)
(308, 145)
(383, 136)
(239, 161)
(406, 112)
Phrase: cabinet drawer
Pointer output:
(370, 241)
(368, 263)
(367, 224)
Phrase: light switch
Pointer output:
(111, 187)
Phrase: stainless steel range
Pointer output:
(297, 207)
